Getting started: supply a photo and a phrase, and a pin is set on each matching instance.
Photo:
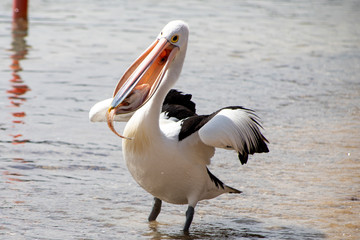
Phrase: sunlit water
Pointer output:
(297, 63)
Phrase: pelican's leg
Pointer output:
(189, 217)
(155, 210)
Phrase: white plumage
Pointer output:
(234, 129)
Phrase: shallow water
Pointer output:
(296, 63)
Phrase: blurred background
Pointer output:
(296, 63)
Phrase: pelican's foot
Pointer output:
(155, 210)
(189, 217)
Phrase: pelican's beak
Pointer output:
(141, 80)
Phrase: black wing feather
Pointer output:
(178, 105)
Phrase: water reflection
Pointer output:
(12, 176)
(16, 94)
(243, 228)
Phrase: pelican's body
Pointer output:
(171, 170)
(167, 152)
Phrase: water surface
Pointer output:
(296, 63)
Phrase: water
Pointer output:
(296, 63)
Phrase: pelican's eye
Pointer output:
(175, 38)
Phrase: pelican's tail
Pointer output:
(220, 185)
(232, 190)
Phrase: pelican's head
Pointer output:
(139, 83)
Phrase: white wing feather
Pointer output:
(231, 129)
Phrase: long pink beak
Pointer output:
(141, 80)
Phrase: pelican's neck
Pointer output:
(145, 121)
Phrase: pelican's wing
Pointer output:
(235, 128)
(178, 105)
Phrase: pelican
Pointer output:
(165, 144)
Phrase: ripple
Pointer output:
(55, 168)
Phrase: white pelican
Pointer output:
(166, 145)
